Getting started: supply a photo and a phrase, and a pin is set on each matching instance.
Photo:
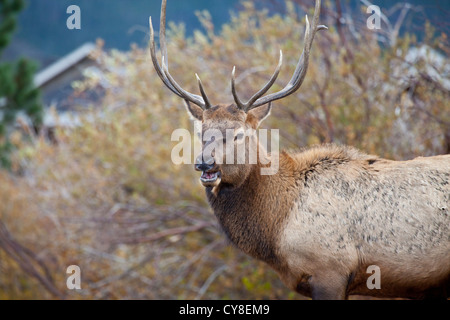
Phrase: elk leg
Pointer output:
(331, 286)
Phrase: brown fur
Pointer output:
(332, 211)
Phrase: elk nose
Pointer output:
(204, 167)
(204, 163)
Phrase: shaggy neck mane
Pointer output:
(251, 214)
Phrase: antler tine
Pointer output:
(162, 33)
(202, 91)
(183, 93)
(269, 84)
(158, 68)
(260, 93)
(302, 65)
(163, 72)
(238, 101)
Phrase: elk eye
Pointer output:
(239, 136)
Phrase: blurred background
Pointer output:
(85, 130)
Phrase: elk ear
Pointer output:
(259, 114)
(195, 112)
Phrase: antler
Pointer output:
(296, 80)
(163, 72)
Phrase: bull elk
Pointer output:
(330, 211)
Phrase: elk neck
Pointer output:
(253, 214)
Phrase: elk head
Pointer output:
(230, 122)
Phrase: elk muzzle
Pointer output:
(211, 176)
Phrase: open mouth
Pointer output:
(209, 177)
